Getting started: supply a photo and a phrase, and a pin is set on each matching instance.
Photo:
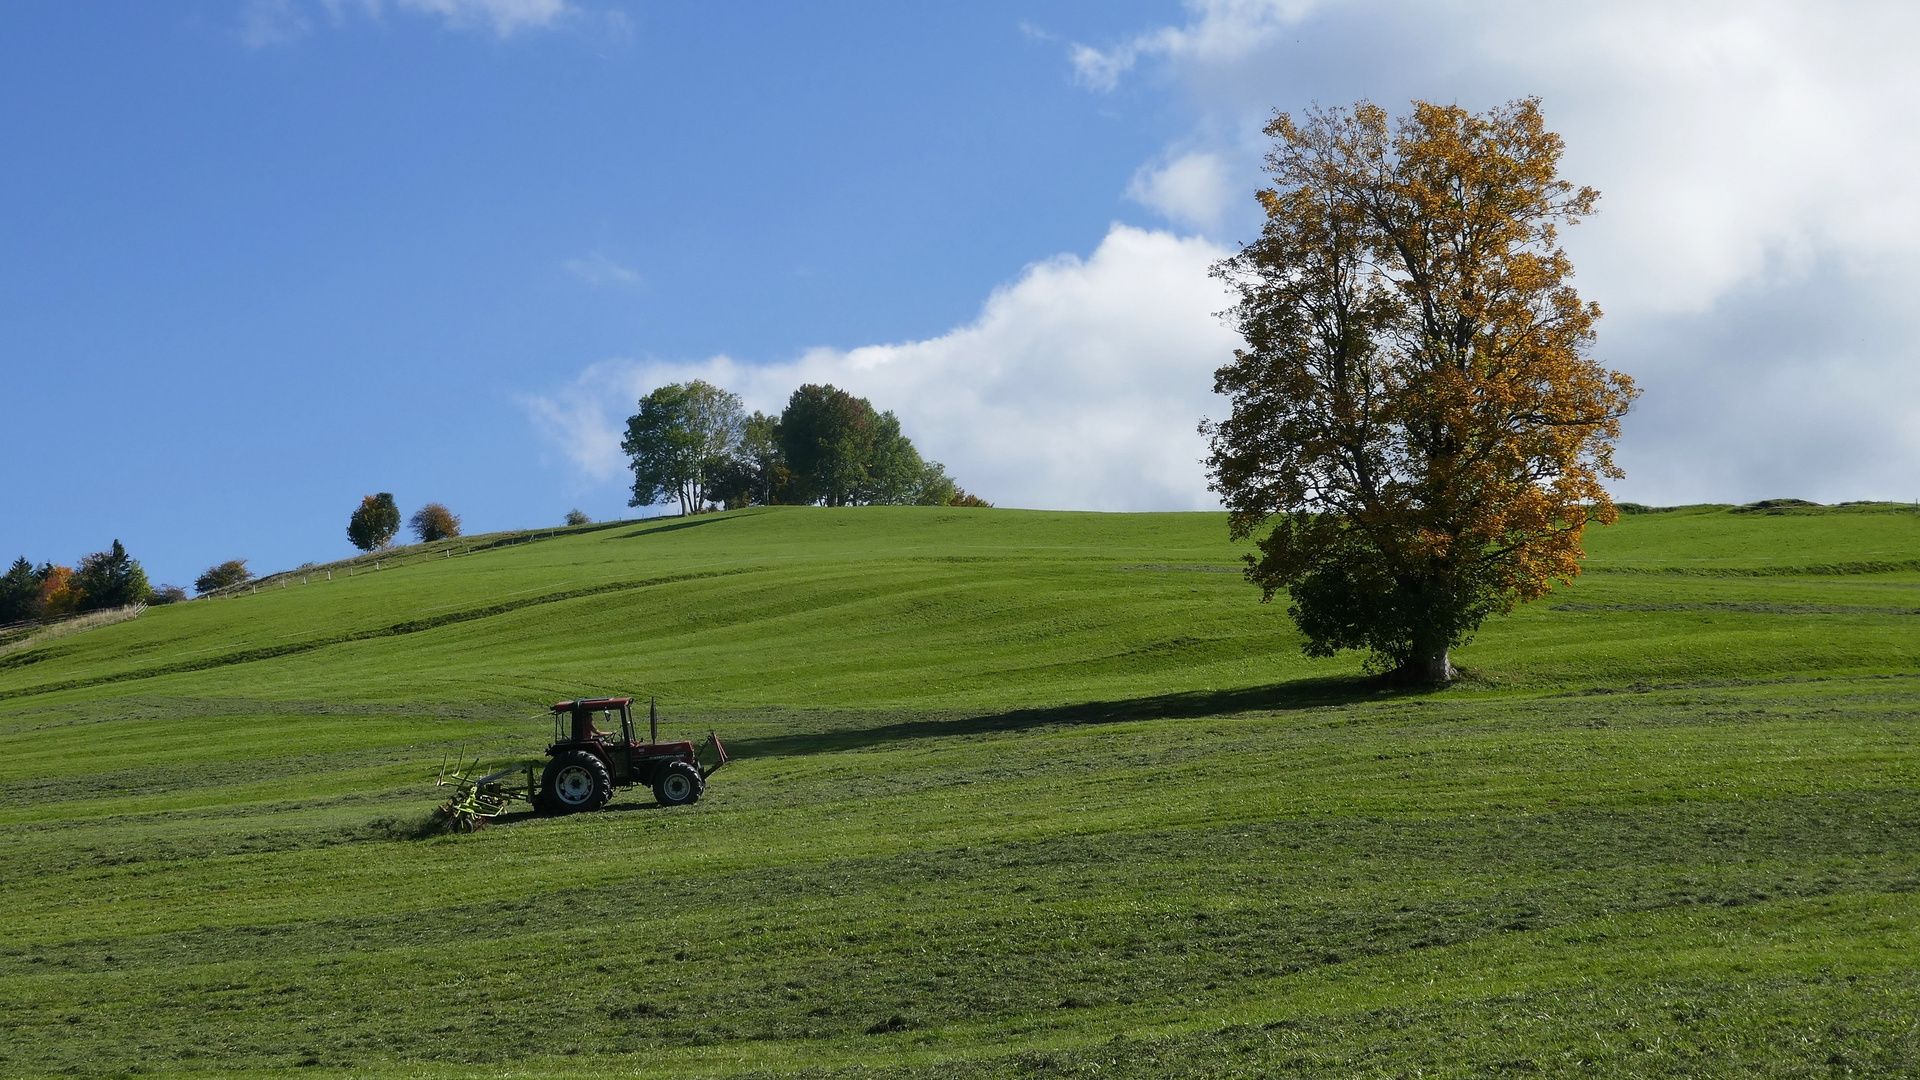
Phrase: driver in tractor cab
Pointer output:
(584, 728)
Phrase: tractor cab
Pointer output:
(607, 723)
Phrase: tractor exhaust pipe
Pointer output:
(653, 723)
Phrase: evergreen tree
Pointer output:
(19, 593)
(110, 578)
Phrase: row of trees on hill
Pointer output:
(693, 443)
(104, 579)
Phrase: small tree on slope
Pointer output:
(374, 523)
(434, 522)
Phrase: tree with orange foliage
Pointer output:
(1415, 410)
(58, 596)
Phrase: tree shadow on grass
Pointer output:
(655, 530)
(1189, 705)
(688, 523)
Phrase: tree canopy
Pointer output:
(434, 522)
(110, 578)
(231, 572)
(1414, 410)
(840, 451)
(691, 442)
(19, 593)
(374, 524)
(680, 442)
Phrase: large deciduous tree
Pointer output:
(680, 442)
(1415, 410)
(826, 437)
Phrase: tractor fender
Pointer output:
(594, 748)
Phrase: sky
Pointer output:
(263, 257)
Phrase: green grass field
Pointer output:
(1016, 794)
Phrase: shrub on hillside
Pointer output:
(434, 522)
(167, 594)
(373, 525)
(231, 572)
(575, 517)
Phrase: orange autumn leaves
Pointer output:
(1415, 409)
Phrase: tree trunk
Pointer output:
(1428, 664)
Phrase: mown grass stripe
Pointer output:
(1840, 569)
(410, 626)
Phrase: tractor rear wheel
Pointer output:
(575, 780)
(678, 784)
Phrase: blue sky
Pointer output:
(263, 257)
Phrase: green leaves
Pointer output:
(680, 442)
(374, 523)
(1415, 402)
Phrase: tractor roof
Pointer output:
(592, 703)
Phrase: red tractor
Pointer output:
(589, 762)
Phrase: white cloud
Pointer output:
(1221, 30)
(277, 22)
(1753, 157)
(270, 22)
(504, 16)
(597, 269)
(1193, 190)
(1077, 387)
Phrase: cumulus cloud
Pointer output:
(1753, 160)
(1194, 190)
(597, 269)
(1078, 386)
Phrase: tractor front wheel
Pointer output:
(575, 780)
(678, 784)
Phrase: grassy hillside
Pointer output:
(1019, 793)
